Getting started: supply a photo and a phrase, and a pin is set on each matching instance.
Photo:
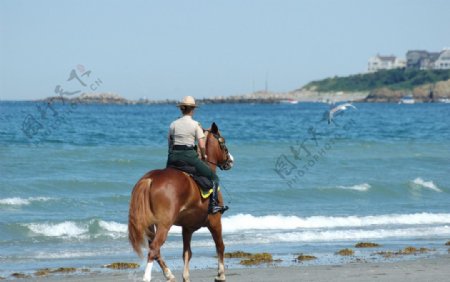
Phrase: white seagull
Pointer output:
(337, 110)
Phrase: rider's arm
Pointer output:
(201, 145)
(201, 141)
(170, 137)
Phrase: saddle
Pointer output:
(204, 183)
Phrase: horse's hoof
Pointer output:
(219, 280)
(171, 279)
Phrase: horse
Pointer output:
(166, 197)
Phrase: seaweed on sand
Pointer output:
(346, 252)
(64, 270)
(366, 245)
(42, 272)
(406, 251)
(237, 254)
(258, 258)
(19, 275)
(303, 257)
(251, 259)
(122, 265)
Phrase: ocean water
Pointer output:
(380, 173)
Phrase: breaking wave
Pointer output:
(289, 228)
(243, 222)
(340, 235)
(17, 201)
(419, 182)
(359, 187)
(79, 230)
(63, 229)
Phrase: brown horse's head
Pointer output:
(216, 149)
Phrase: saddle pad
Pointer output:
(205, 185)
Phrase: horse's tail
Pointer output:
(140, 214)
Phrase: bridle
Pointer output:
(227, 163)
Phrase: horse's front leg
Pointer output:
(215, 227)
(187, 253)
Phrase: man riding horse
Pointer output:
(166, 197)
(183, 133)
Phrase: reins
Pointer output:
(222, 146)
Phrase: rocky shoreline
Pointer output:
(256, 98)
(438, 92)
(421, 94)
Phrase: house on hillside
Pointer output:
(424, 60)
(443, 62)
(385, 63)
(421, 59)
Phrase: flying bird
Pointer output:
(338, 110)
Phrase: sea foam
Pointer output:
(247, 222)
(66, 254)
(348, 235)
(236, 224)
(359, 187)
(17, 201)
(63, 229)
(113, 226)
(79, 230)
(426, 184)
(242, 222)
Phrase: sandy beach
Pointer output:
(432, 269)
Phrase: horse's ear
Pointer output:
(214, 128)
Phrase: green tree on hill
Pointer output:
(396, 79)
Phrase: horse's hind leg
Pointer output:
(215, 227)
(167, 273)
(154, 253)
(187, 253)
(150, 233)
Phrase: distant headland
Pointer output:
(381, 86)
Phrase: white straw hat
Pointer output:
(187, 101)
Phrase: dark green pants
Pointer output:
(191, 157)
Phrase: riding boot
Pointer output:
(214, 201)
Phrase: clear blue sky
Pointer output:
(168, 49)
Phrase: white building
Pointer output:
(443, 61)
(385, 63)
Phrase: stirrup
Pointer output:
(215, 209)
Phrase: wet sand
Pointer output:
(433, 269)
